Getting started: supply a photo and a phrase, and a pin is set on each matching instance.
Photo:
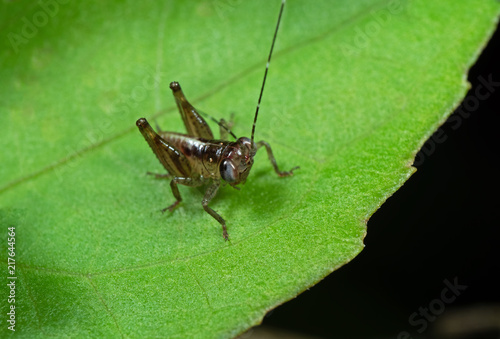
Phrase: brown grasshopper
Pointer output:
(196, 158)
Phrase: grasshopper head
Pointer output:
(238, 161)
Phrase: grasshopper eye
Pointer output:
(228, 171)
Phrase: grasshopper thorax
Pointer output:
(237, 161)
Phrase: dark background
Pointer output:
(442, 224)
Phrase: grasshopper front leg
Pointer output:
(273, 160)
(160, 175)
(209, 194)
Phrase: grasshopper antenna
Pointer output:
(267, 68)
(218, 122)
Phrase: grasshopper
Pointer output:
(197, 159)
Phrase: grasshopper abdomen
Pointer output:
(203, 155)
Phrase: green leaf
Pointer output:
(353, 90)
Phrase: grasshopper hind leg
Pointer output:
(177, 195)
(195, 125)
(175, 190)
